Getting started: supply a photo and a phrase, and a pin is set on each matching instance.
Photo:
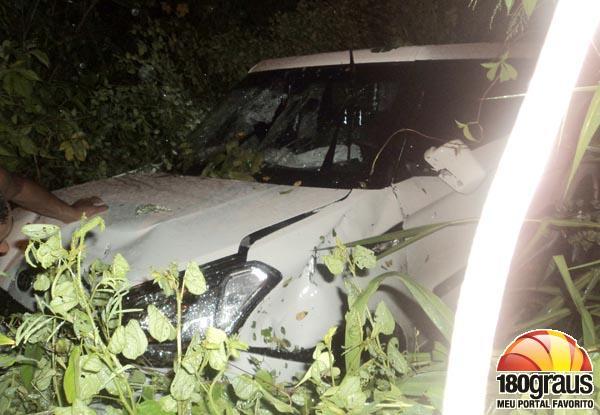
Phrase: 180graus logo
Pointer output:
(545, 369)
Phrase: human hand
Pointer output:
(89, 206)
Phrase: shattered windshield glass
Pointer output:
(328, 126)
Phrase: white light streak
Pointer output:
(510, 194)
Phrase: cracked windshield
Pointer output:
(337, 126)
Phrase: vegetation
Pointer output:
(91, 89)
(75, 354)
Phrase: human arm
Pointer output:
(31, 196)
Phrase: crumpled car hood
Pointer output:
(155, 219)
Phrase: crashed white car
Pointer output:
(355, 144)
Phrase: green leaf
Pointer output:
(72, 374)
(410, 236)
(117, 341)
(334, 265)
(5, 340)
(438, 312)
(114, 385)
(81, 324)
(67, 148)
(507, 72)
(148, 392)
(492, 69)
(363, 257)
(280, 406)
(546, 320)
(78, 408)
(245, 387)
(585, 265)
(529, 6)
(152, 407)
(159, 326)
(33, 354)
(396, 358)
(215, 337)
(29, 74)
(217, 358)
(350, 393)
(42, 57)
(587, 323)
(90, 384)
(352, 292)
(31, 327)
(43, 375)
(63, 289)
(168, 404)
(355, 319)
(429, 384)
(182, 386)
(336, 261)
(322, 361)
(194, 356)
(509, 4)
(235, 345)
(88, 226)
(6, 152)
(464, 127)
(136, 342)
(328, 338)
(92, 363)
(64, 297)
(42, 282)
(120, 267)
(588, 130)
(27, 146)
(384, 321)
(439, 352)
(300, 396)
(193, 279)
(15, 83)
(165, 281)
(7, 360)
(137, 377)
(39, 231)
(50, 252)
(353, 341)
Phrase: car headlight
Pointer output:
(234, 288)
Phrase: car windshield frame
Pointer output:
(355, 110)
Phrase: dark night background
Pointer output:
(97, 87)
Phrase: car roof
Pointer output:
(401, 54)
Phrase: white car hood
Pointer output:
(155, 219)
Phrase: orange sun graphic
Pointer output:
(544, 351)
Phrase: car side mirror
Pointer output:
(456, 166)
